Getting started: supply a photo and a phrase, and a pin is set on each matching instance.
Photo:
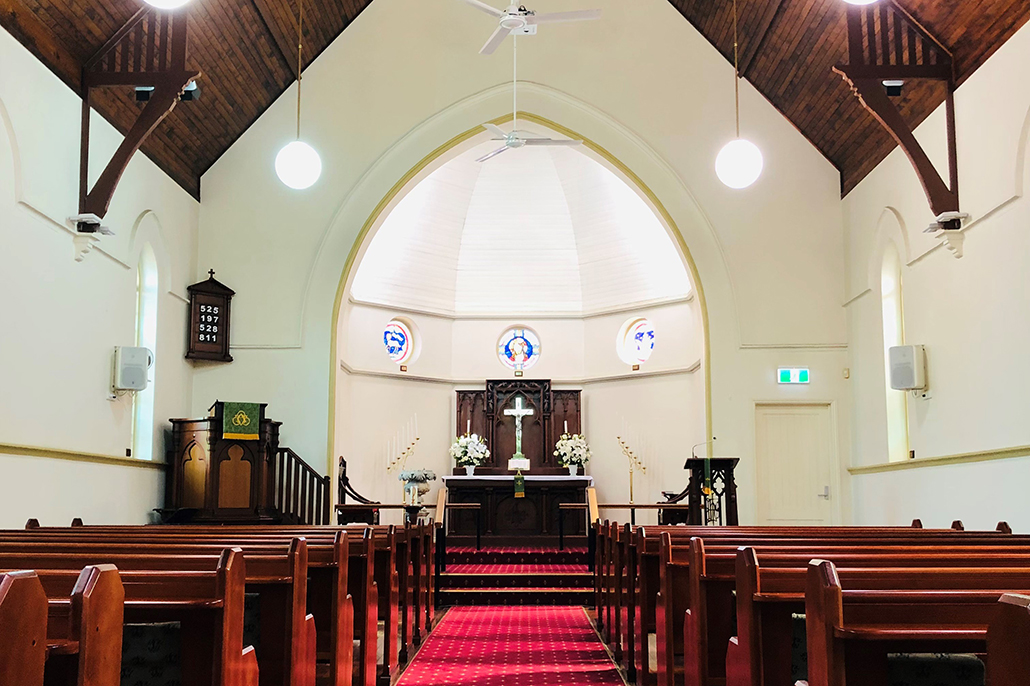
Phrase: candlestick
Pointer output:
(468, 426)
(566, 426)
(416, 426)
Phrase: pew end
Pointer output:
(1008, 641)
(23, 626)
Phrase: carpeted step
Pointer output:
(451, 580)
(516, 556)
(517, 596)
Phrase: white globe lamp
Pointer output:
(298, 165)
(739, 163)
(860, 2)
(167, 4)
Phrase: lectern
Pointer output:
(714, 508)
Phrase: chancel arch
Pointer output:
(569, 241)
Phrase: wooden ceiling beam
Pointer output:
(285, 43)
(755, 46)
(41, 42)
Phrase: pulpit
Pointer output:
(245, 477)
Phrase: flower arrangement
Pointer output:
(418, 476)
(469, 450)
(572, 450)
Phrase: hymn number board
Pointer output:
(209, 320)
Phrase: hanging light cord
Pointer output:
(515, 82)
(736, 70)
(300, 48)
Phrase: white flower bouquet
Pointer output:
(469, 450)
(572, 450)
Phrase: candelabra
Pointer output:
(634, 465)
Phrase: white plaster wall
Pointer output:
(60, 320)
(642, 83)
(972, 314)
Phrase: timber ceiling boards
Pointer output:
(247, 52)
(788, 48)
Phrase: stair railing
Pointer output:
(301, 494)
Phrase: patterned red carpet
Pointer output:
(512, 646)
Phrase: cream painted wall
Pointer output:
(61, 319)
(972, 314)
(770, 271)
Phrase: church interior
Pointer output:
(446, 343)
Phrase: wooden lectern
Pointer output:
(721, 509)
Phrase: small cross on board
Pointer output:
(211, 273)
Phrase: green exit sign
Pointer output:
(792, 375)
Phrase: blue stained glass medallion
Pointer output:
(518, 349)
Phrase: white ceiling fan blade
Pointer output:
(496, 131)
(490, 155)
(556, 17)
(483, 7)
(549, 141)
(526, 135)
(495, 41)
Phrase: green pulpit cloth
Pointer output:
(241, 421)
(520, 485)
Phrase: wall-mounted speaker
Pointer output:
(908, 367)
(130, 368)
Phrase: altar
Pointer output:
(509, 520)
(520, 420)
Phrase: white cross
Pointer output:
(518, 413)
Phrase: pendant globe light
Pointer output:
(166, 4)
(739, 163)
(298, 165)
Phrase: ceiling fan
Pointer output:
(518, 20)
(516, 138)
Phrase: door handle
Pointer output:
(826, 493)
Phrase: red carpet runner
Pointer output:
(512, 646)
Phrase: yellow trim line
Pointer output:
(77, 456)
(961, 458)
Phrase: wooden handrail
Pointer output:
(441, 505)
(300, 492)
(592, 503)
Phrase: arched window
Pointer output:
(146, 337)
(893, 334)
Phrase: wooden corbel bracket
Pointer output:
(885, 43)
(148, 52)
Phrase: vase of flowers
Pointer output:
(572, 451)
(469, 451)
(416, 484)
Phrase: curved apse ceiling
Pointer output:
(532, 231)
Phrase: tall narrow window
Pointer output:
(146, 337)
(893, 334)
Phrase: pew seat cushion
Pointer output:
(933, 669)
(151, 654)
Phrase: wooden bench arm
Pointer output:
(23, 624)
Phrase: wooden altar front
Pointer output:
(507, 520)
(482, 411)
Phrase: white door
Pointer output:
(795, 454)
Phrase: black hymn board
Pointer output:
(209, 321)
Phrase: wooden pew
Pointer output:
(23, 628)
(770, 588)
(277, 572)
(1008, 641)
(850, 632)
(329, 572)
(207, 600)
(674, 596)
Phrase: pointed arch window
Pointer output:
(892, 304)
(146, 337)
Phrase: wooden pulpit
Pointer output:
(213, 478)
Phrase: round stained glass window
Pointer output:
(519, 349)
(636, 341)
(399, 339)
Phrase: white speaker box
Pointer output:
(908, 367)
(130, 368)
